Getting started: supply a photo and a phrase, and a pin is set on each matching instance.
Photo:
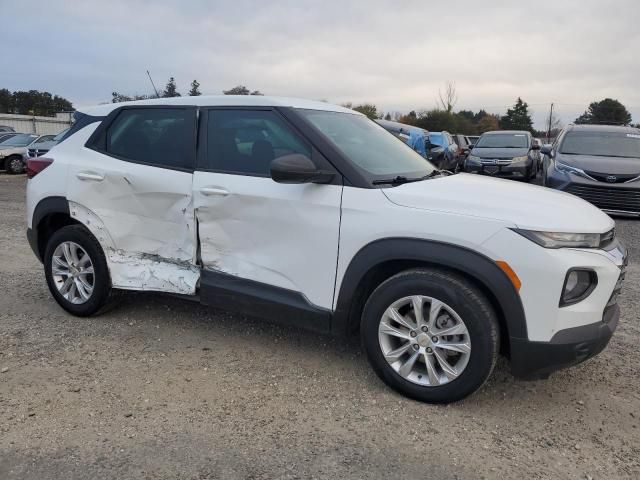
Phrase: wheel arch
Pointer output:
(50, 215)
(383, 258)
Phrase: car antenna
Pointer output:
(152, 84)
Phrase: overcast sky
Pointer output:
(396, 54)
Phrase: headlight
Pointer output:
(578, 285)
(473, 159)
(522, 159)
(563, 240)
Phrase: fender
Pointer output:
(45, 207)
(475, 265)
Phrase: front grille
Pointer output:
(608, 198)
(611, 178)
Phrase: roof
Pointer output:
(604, 128)
(397, 126)
(510, 132)
(222, 101)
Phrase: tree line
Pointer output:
(32, 102)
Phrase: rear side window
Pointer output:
(247, 141)
(154, 136)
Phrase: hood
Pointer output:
(523, 205)
(499, 152)
(602, 165)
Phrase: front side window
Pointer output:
(504, 140)
(367, 145)
(436, 140)
(247, 141)
(602, 144)
(154, 136)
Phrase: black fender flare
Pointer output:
(479, 267)
(45, 207)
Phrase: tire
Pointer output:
(14, 165)
(99, 279)
(471, 307)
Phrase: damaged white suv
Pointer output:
(311, 214)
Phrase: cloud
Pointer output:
(394, 54)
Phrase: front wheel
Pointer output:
(15, 165)
(431, 335)
(76, 271)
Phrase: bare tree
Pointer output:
(449, 98)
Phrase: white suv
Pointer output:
(313, 215)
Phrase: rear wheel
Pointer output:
(15, 165)
(431, 335)
(76, 271)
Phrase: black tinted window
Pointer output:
(246, 141)
(156, 136)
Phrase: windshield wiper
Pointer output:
(401, 179)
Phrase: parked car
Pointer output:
(598, 163)
(13, 152)
(472, 139)
(310, 214)
(443, 151)
(504, 153)
(400, 130)
(5, 128)
(463, 147)
(41, 147)
(6, 136)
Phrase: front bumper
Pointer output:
(520, 170)
(536, 360)
(613, 198)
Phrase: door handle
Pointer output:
(211, 191)
(91, 176)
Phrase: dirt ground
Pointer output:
(164, 388)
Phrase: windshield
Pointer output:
(21, 140)
(503, 140)
(60, 135)
(369, 146)
(602, 144)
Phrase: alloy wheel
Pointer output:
(424, 340)
(72, 271)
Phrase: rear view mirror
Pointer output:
(297, 168)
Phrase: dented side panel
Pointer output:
(143, 217)
(281, 235)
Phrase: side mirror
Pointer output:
(297, 168)
(546, 149)
(471, 145)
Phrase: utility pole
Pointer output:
(152, 84)
(550, 120)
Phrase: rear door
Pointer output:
(132, 186)
(261, 242)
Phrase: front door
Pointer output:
(260, 239)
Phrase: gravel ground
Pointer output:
(164, 388)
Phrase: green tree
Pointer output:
(369, 110)
(33, 102)
(437, 120)
(607, 111)
(517, 118)
(387, 116)
(171, 90)
(241, 90)
(195, 89)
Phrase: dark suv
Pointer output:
(506, 154)
(599, 163)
